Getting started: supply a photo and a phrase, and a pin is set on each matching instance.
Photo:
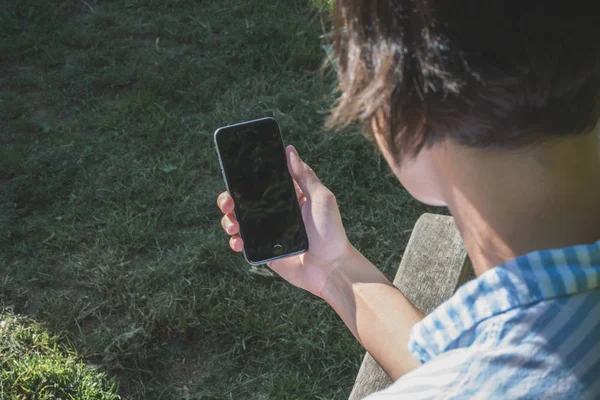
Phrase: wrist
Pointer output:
(349, 273)
(339, 280)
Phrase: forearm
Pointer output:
(376, 312)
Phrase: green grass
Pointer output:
(34, 364)
(109, 231)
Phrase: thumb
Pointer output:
(302, 173)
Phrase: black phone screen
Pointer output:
(255, 168)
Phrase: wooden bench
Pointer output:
(433, 266)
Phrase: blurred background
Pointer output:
(115, 276)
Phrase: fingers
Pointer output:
(236, 243)
(225, 203)
(302, 173)
(230, 224)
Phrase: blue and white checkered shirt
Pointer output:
(527, 329)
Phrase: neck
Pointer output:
(510, 203)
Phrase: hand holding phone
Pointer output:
(328, 242)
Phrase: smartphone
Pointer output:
(254, 166)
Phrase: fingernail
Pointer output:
(294, 150)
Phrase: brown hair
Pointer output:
(485, 73)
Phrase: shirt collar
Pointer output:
(527, 279)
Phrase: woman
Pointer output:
(488, 108)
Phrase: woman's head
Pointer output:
(481, 74)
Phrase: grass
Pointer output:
(109, 231)
(35, 364)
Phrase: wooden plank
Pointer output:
(433, 266)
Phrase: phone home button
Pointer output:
(278, 249)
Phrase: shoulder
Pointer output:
(550, 349)
(547, 350)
